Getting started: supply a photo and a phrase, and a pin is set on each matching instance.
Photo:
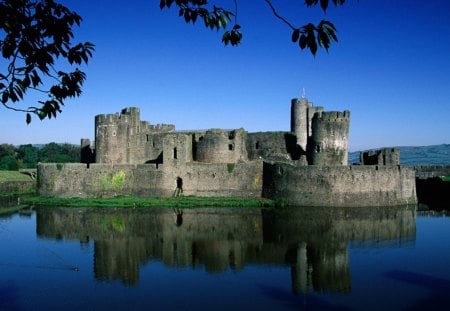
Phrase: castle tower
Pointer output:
(222, 146)
(177, 149)
(328, 144)
(111, 138)
(299, 110)
(302, 113)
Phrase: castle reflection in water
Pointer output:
(313, 242)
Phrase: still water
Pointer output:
(224, 259)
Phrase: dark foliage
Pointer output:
(35, 40)
(27, 156)
(215, 17)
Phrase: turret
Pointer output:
(222, 146)
(328, 144)
(302, 113)
(111, 133)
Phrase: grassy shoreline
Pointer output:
(14, 194)
(6, 176)
(137, 202)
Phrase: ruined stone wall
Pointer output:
(222, 146)
(106, 180)
(431, 171)
(385, 156)
(328, 144)
(100, 180)
(152, 148)
(221, 179)
(125, 139)
(340, 185)
(273, 146)
(177, 149)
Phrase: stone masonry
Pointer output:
(306, 166)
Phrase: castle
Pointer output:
(306, 166)
(316, 138)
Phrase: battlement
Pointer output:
(131, 111)
(161, 128)
(111, 119)
(333, 115)
(385, 156)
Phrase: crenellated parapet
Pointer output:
(162, 128)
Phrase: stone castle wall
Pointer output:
(135, 158)
(385, 156)
(221, 146)
(316, 138)
(274, 146)
(431, 171)
(340, 185)
(122, 138)
(106, 180)
(299, 185)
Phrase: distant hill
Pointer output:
(425, 155)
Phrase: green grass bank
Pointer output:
(13, 176)
(14, 183)
(135, 202)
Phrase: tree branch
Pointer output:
(279, 16)
(17, 109)
(235, 11)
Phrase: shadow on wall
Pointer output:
(158, 160)
(294, 150)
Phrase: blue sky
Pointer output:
(390, 68)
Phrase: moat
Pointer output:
(224, 259)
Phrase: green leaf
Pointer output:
(302, 42)
(5, 97)
(295, 35)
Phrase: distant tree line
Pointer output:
(13, 158)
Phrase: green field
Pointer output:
(134, 202)
(445, 178)
(13, 176)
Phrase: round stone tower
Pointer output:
(328, 144)
(302, 113)
(299, 117)
(222, 146)
(111, 132)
